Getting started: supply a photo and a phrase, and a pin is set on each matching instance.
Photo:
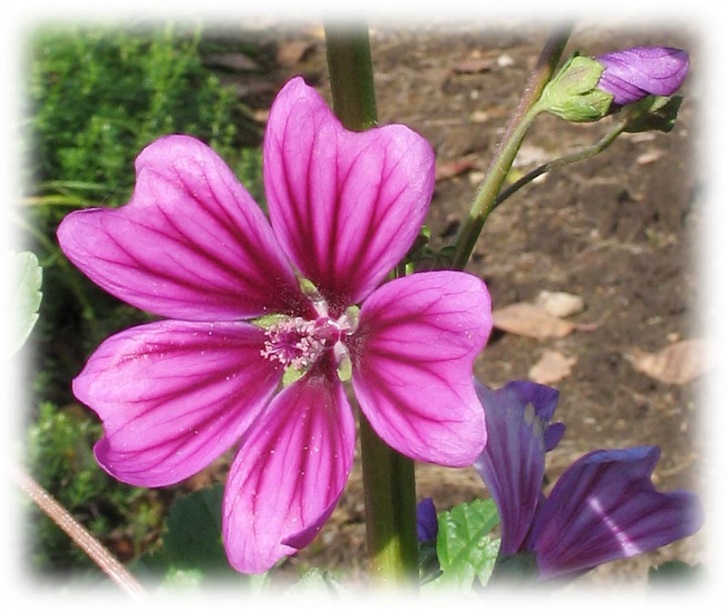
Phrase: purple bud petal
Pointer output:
(513, 462)
(632, 74)
(427, 524)
(605, 507)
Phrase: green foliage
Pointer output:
(675, 573)
(465, 548)
(59, 457)
(96, 97)
(25, 297)
(193, 538)
(191, 551)
(99, 96)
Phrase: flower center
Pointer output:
(298, 343)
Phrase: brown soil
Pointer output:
(616, 230)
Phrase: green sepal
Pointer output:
(573, 93)
(654, 113)
(292, 374)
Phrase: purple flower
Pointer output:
(427, 523)
(603, 507)
(632, 74)
(194, 248)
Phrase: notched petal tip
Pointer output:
(345, 205)
(190, 244)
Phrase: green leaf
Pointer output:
(674, 572)
(465, 549)
(654, 113)
(193, 539)
(25, 297)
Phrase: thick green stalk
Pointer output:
(388, 477)
(351, 75)
(505, 154)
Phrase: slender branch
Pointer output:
(579, 155)
(95, 550)
(510, 144)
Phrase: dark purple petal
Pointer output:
(427, 524)
(346, 206)
(412, 361)
(605, 507)
(289, 473)
(513, 462)
(173, 396)
(632, 74)
(191, 244)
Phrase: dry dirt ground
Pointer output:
(618, 231)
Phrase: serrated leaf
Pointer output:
(25, 297)
(464, 547)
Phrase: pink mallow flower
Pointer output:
(249, 354)
(603, 507)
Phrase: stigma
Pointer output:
(297, 343)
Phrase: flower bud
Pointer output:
(574, 95)
(632, 74)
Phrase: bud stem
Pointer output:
(580, 155)
(524, 115)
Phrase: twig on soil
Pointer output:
(95, 550)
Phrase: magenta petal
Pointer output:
(605, 507)
(191, 244)
(412, 360)
(346, 206)
(173, 396)
(289, 474)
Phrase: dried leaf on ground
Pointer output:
(552, 367)
(292, 52)
(235, 62)
(474, 65)
(449, 169)
(560, 304)
(649, 157)
(528, 320)
(678, 363)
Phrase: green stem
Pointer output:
(390, 498)
(505, 154)
(579, 155)
(351, 75)
(388, 477)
